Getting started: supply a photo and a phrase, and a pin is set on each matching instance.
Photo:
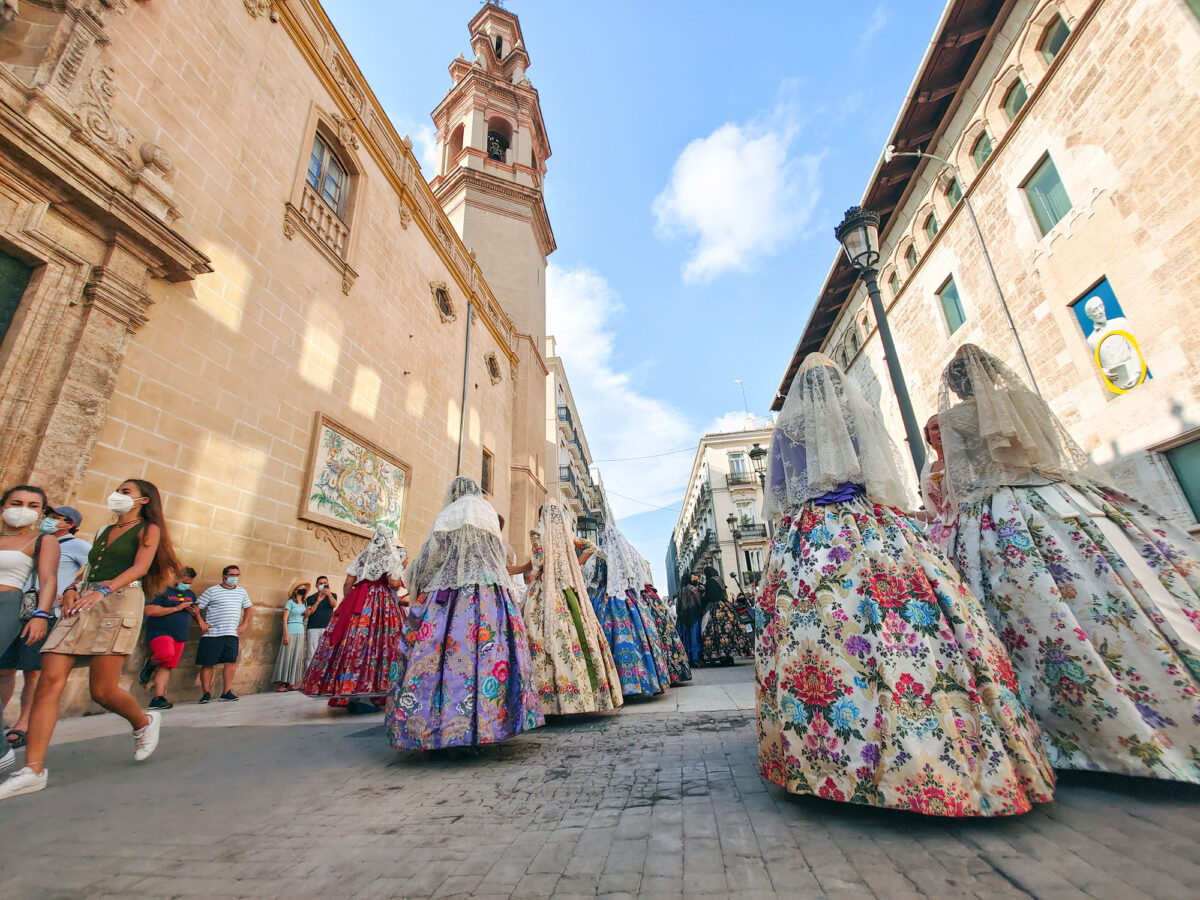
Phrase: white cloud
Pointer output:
(734, 420)
(618, 417)
(878, 21)
(425, 146)
(739, 194)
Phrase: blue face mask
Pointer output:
(183, 587)
(48, 526)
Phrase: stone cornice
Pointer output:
(463, 178)
(117, 297)
(310, 29)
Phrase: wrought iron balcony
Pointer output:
(567, 474)
(741, 479)
(746, 532)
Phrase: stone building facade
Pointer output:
(1070, 127)
(572, 482)
(724, 482)
(215, 251)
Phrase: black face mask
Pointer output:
(301, 592)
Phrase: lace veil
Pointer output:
(379, 558)
(996, 432)
(560, 565)
(464, 546)
(827, 434)
(624, 563)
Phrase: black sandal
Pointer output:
(20, 738)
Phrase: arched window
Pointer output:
(1053, 38)
(852, 340)
(499, 139)
(981, 150)
(894, 284)
(499, 47)
(456, 145)
(328, 176)
(954, 192)
(910, 257)
(931, 226)
(1015, 99)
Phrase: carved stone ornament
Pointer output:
(95, 111)
(257, 8)
(346, 545)
(117, 297)
(346, 83)
(406, 215)
(345, 131)
(493, 368)
(441, 300)
(156, 159)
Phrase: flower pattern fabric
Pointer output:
(1108, 660)
(465, 674)
(722, 636)
(571, 659)
(633, 638)
(363, 662)
(879, 678)
(679, 669)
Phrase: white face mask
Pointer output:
(231, 580)
(120, 503)
(20, 516)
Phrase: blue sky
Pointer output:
(702, 153)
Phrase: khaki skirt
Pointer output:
(109, 628)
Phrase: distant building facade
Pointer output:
(723, 483)
(1071, 126)
(571, 481)
(222, 270)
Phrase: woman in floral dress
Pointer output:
(940, 514)
(466, 677)
(722, 636)
(572, 661)
(1096, 596)
(626, 620)
(355, 661)
(880, 680)
(678, 668)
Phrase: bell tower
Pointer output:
(491, 160)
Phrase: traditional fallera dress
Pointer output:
(358, 652)
(1096, 596)
(466, 677)
(879, 679)
(572, 660)
(723, 638)
(626, 620)
(942, 513)
(678, 667)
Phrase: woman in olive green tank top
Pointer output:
(102, 615)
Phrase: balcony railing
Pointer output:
(567, 474)
(741, 479)
(564, 415)
(751, 532)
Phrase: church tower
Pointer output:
(492, 151)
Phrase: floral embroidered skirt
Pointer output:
(573, 662)
(722, 636)
(880, 680)
(636, 648)
(1097, 599)
(363, 662)
(466, 676)
(679, 669)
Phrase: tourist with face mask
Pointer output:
(168, 618)
(225, 609)
(26, 657)
(102, 615)
(24, 550)
(317, 615)
(289, 662)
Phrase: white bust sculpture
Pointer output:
(1119, 357)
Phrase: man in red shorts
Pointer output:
(168, 617)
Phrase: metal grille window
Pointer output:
(485, 476)
(1047, 196)
(951, 305)
(328, 177)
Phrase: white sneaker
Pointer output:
(25, 781)
(147, 738)
(8, 760)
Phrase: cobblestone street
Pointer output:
(275, 796)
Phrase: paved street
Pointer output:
(278, 796)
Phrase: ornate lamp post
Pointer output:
(859, 236)
(758, 459)
(731, 521)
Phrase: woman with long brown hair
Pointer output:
(102, 614)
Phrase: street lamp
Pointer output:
(758, 459)
(890, 153)
(731, 521)
(859, 236)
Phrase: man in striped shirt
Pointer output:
(224, 607)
